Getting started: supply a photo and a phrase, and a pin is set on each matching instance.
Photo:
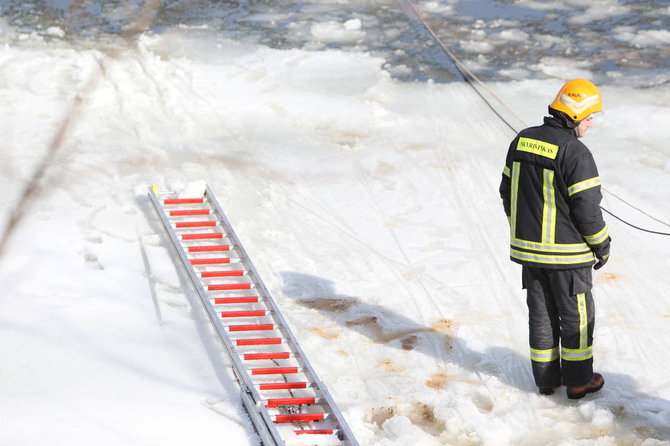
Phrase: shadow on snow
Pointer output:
(646, 415)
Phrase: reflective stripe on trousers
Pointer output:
(561, 317)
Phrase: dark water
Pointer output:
(615, 41)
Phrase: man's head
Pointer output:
(577, 100)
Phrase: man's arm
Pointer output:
(585, 195)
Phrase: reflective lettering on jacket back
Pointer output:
(537, 147)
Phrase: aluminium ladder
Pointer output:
(279, 388)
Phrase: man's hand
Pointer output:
(603, 256)
(601, 261)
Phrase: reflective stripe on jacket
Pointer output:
(551, 193)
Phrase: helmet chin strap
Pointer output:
(563, 118)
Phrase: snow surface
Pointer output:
(370, 208)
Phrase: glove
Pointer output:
(603, 256)
(601, 261)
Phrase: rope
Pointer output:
(471, 79)
(636, 208)
(632, 225)
(467, 75)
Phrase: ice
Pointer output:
(332, 31)
(369, 206)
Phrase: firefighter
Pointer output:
(551, 194)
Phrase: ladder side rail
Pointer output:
(300, 357)
(250, 397)
(266, 431)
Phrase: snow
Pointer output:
(370, 208)
(333, 31)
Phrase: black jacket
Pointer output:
(551, 193)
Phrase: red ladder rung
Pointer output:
(244, 313)
(282, 386)
(259, 341)
(236, 300)
(251, 327)
(211, 261)
(314, 432)
(209, 248)
(275, 371)
(299, 418)
(235, 273)
(203, 236)
(229, 286)
(195, 224)
(261, 356)
(186, 212)
(276, 402)
(184, 201)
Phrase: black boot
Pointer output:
(577, 392)
(547, 390)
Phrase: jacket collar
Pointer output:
(563, 124)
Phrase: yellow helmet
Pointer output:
(578, 98)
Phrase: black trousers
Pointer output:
(560, 320)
